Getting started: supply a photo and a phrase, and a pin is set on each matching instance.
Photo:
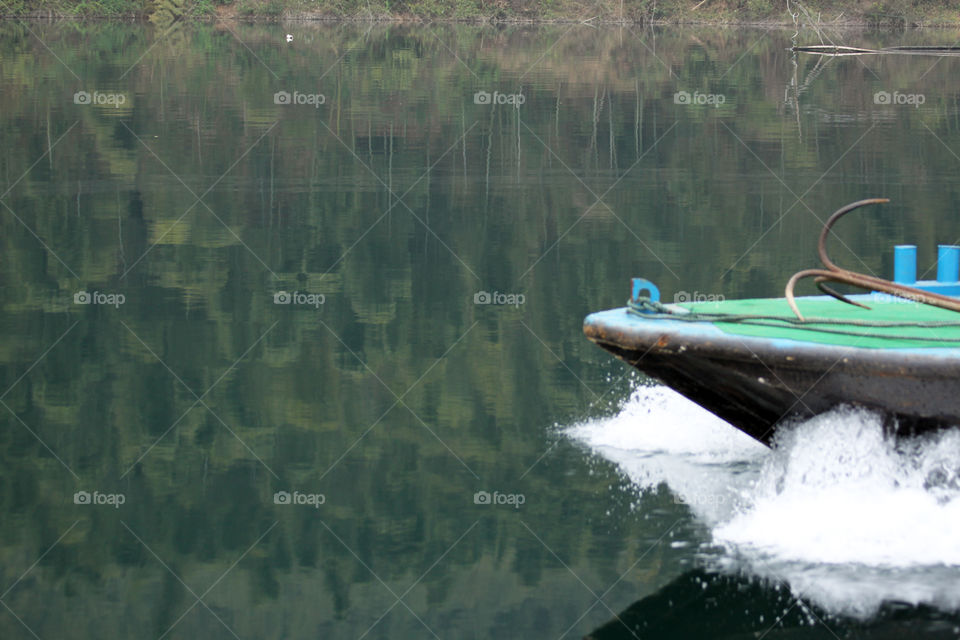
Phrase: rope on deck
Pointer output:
(647, 308)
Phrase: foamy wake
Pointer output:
(848, 517)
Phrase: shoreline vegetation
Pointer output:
(814, 13)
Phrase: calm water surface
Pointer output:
(291, 340)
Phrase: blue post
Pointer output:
(905, 264)
(948, 263)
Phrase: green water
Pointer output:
(155, 170)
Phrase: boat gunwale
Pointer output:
(628, 331)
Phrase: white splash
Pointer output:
(836, 490)
(845, 515)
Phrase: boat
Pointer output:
(760, 363)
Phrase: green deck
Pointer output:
(817, 308)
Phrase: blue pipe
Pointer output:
(948, 263)
(905, 264)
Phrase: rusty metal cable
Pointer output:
(833, 273)
(648, 309)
